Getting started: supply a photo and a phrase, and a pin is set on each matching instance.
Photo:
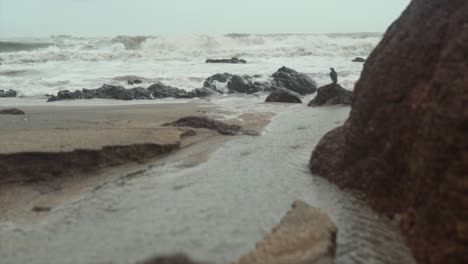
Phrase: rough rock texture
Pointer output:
(11, 111)
(405, 143)
(283, 96)
(220, 127)
(331, 94)
(233, 60)
(9, 93)
(239, 84)
(104, 92)
(359, 59)
(304, 235)
(160, 90)
(292, 80)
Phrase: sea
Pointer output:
(38, 66)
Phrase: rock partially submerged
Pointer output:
(332, 94)
(304, 235)
(405, 142)
(283, 96)
(11, 111)
(9, 93)
(160, 91)
(292, 80)
(359, 59)
(133, 82)
(233, 60)
(220, 127)
(104, 92)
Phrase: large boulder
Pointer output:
(304, 235)
(160, 90)
(292, 80)
(9, 93)
(232, 60)
(283, 96)
(405, 142)
(331, 94)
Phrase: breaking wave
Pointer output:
(189, 46)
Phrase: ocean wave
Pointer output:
(22, 46)
(188, 47)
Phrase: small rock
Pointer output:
(233, 60)
(220, 127)
(359, 59)
(39, 208)
(11, 111)
(283, 96)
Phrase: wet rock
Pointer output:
(332, 94)
(359, 59)
(175, 259)
(160, 90)
(132, 82)
(238, 84)
(9, 93)
(104, 92)
(283, 96)
(304, 235)
(405, 142)
(11, 111)
(140, 93)
(202, 92)
(292, 80)
(233, 60)
(225, 83)
(40, 209)
(207, 123)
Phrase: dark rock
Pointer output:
(294, 81)
(220, 127)
(9, 93)
(405, 142)
(140, 93)
(238, 84)
(11, 111)
(211, 82)
(359, 59)
(283, 96)
(132, 82)
(233, 60)
(202, 92)
(331, 94)
(39, 208)
(175, 259)
(160, 91)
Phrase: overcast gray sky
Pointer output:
(36, 18)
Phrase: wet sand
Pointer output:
(64, 138)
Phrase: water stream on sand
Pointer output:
(215, 211)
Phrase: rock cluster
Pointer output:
(405, 143)
(9, 93)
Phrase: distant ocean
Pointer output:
(35, 67)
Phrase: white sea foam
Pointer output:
(75, 63)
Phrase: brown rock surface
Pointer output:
(304, 235)
(405, 143)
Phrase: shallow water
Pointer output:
(215, 211)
